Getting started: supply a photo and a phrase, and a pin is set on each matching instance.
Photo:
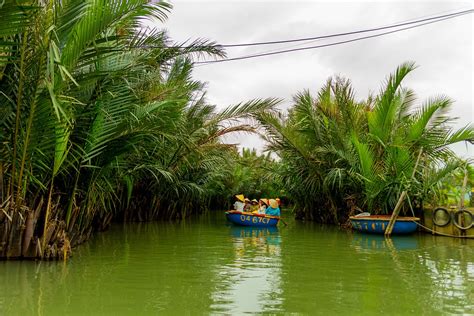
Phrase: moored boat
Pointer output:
(250, 219)
(378, 223)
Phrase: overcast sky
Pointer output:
(443, 51)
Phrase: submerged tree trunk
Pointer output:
(20, 237)
(28, 235)
(16, 232)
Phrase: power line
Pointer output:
(315, 38)
(431, 21)
(350, 33)
(407, 20)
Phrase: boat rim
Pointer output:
(252, 214)
(384, 218)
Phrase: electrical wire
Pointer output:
(352, 32)
(315, 38)
(431, 21)
(408, 20)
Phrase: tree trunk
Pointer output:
(28, 234)
(15, 238)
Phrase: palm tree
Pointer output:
(247, 172)
(396, 135)
(191, 167)
(90, 101)
(337, 151)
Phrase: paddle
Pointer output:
(282, 220)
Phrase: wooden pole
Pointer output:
(461, 200)
(403, 195)
(463, 189)
(393, 219)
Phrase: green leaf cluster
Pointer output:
(101, 117)
(340, 155)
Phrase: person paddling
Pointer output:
(273, 209)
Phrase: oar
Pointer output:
(281, 219)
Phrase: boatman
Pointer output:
(273, 209)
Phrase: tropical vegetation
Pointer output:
(451, 189)
(101, 120)
(256, 175)
(340, 155)
(100, 116)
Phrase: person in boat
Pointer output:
(278, 201)
(273, 208)
(247, 205)
(239, 204)
(263, 206)
(254, 206)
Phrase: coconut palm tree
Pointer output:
(51, 51)
(90, 101)
(247, 172)
(341, 154)
(397, 134)
(191, 167)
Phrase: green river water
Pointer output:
(205, 266)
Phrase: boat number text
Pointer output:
(254, 219)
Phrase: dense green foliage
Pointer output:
(339, 154)
(256, 175)
(249, 173)
(99, 117)
(451, 189)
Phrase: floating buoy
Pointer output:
(462, 212)
(441, 217)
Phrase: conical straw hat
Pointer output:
(273, 203)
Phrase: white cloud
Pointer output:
(443, 51)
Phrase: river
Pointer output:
(205, 266)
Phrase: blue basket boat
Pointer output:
(376, 224)
(250, 219)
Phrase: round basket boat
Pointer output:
(250, 219)
(376, 224)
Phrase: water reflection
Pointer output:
(206, 267)
(264, 240)
(371, 242)
(449, 263)
(252, 279)
(438, 271)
